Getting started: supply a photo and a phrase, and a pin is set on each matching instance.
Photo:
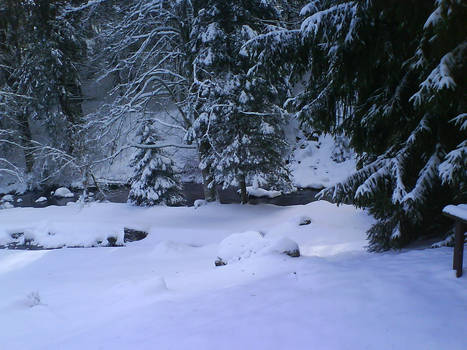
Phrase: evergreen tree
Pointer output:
(154, 180)
(238, 123)
(391, 76)
(42, 47)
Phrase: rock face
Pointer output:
(248, 244)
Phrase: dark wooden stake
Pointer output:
(459, 248)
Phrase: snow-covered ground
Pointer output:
(164, 292)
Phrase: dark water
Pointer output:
(191, 191)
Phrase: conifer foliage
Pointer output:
(238, 122)
(154, 180)
(392, 77)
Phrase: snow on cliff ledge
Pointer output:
(322, 163)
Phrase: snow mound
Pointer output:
(57, 234)
(63, 192)
(240, 246)
(260, 192)
(41, 199)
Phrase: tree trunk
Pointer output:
(243, 192)
(209, 193)
(26, 142)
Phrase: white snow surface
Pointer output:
(459, 211)
(164, 292)
(313, 166)
(63, 192)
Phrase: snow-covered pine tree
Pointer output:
(148, 52)
(397, 73)
(154, 180)
(237, 119)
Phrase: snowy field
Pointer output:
(164, 292)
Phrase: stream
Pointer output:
(191, 191)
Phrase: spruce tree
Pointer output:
(391, 76)
(238, 122)
(154, 180)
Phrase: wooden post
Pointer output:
(459, 248)
(458, 214)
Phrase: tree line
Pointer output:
(390, 75)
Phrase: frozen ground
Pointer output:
(164, 292)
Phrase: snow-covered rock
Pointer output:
(282, 245)
(7, 198)
(6, 205)
(304, 220)
(199, 203)
(41, 199)
(63, 192)
(239, 246)
(260, 192)
(19, 200)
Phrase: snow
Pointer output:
(199, 203)
(164, 292)
(63, 192)
(314, 167)
(261, 192)
(6, 205)
(41, 199)
(240, 246)
(7, 198)
(459, 211)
